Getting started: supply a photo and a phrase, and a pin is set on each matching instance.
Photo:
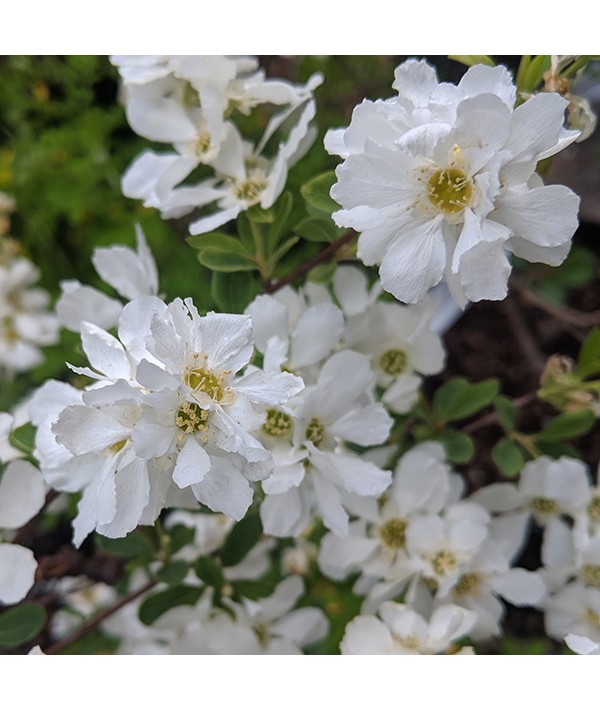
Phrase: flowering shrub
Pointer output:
(250, 434)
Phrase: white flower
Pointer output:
(279, 628)
(547, 488)
(314, 471)
(130, 273)
(487, 576)
(401, 630)
(574, 610)
(296, 330)
(441, 180)
(25, 322)
(422, 484)
(399, 341)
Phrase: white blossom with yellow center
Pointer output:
(440, 181)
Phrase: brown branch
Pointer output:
(492, 418)
(97, 619)
(562, 313)
(323, 256)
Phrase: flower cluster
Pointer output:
(261, 466)
(192, 103)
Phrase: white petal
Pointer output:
(414, 262)
(366, 634)
(22, 494)
(519, 586)
(84, 429)
(285, 514)
(365, 426)
(192, 464)
(224, 489)
(546, 216)
(227, 340)
(17, 572)
(163, 120)
(316, 334)
(104, 352)
(269, 388)
(123, 269)
(84, 303)
(131, 495)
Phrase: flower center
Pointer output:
(450, 190)
(592, 617)
(393, 533)
(443, 562)
(394, 361)
(277, 424)
(591, 575)
(190, 97)
(249, 190)
(202, 144)
(467, 583)
(192, 418)
(542, 505)
(206, 381)
(118, 446)
(593, 508)
(315, 432)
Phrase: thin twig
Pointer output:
(97, 619)
(528, 344)
(323, 256)
(562, 313)
(492, 418)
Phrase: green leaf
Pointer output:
(589, 353)
(315, 229)
(283, 208)
(23, 438)
(174, 572)
(458, 399)
(241, 539)
(316, 192)
(508, 457)
(534, 73)
(558, 449)
(458, 445)
(470, 60)
(21, 623)
(157, 604)
(223, 253)
(567, 426)
(253, 589)
(209, 571)
(133, 545)
(180, 536)
(522, 70)
(233, 292)
(505, 412)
